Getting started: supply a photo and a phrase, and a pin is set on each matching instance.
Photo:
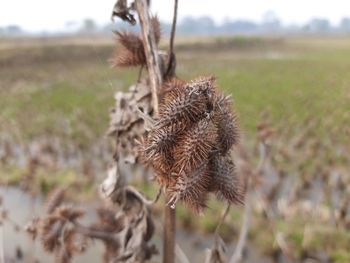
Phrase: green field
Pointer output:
(63, 89)
(46, 87)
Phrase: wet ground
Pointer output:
(18, 247)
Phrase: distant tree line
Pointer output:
(270, 24)
(204, 25)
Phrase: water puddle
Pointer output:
(22, 207)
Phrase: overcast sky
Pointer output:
(40, 15)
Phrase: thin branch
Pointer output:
(171, 66)
(263, 155)
(172, 35)
(93, 233)
(278, 236)
(159, 193)
(139, 196)
(222, 219)
(237, 255)
(2, 251)
(140, 74)
(180, 254)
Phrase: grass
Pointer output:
(62, 91)
(67, 90)
(44, 180)
(291, 88)
(304, 235)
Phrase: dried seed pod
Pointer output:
(224, 180)
(203, 85)
(130, 41)
(54, 199)
(226, 123)
(195, 125)
(160, 141)
(125, 58)
(173, 84)
(164, 177)
(192, 188)
(182, 107)
(69, 213)
(74, 242)
(163, 162)
(131, 52)
(194, 146)
(50, 229)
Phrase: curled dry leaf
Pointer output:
(127, 119)
(125, 233)
(135, 222)
(122, 10)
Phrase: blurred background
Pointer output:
(286, 64)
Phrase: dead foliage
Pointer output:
(125, 233)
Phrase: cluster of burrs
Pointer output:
(189, 144)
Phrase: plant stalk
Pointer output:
(156, 81)
(151, 51)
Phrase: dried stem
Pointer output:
(150, 51)
(237, 255)
(169, 235)
(2, 252)
(156, 80)
(180, 254)
(159, 193)
(172, 35)
(222, 219)
(173, 28)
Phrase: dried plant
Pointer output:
(130, 51)
(125, 234)
(217, 253)
(122, 10)
(189, 144)
(126, 122)
(54, 199)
